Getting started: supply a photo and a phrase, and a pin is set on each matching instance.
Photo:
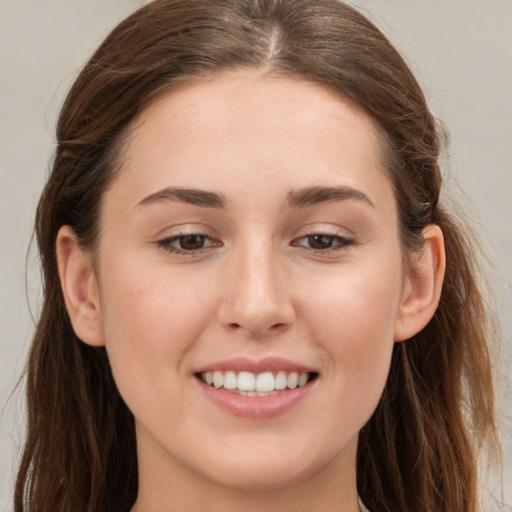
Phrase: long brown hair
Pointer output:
(419, 450)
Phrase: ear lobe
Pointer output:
(80, 288)
(422, 286)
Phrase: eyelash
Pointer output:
(340, 243)
(166, 244)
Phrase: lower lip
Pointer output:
(255, 407)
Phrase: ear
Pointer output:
(422, 285)
(80, 288)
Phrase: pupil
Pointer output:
(320, 241)
(191, 242)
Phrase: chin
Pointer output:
(274, 469)
(267, 476)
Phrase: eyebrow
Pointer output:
(315, 195)
(296, 198)
(194, 197)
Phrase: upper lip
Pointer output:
(265, 364)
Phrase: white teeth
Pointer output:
(281, 380)
(230, 380)
(293, 380)
(303, 378)
(265, 382)
(249, 384)
(218, 379)
(246, 381)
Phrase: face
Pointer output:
(250, 238)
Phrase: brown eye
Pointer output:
(191, 242)
(321, 241)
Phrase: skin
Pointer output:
(257, 288)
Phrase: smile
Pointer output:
(256, 384)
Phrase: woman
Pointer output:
(253, 298)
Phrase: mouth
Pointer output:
(257, 389)
(251, 384)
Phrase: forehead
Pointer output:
(237, 131)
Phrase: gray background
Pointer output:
(460, 49)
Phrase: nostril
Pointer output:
(273, 328)
(277, 327)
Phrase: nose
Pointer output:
(257, 298)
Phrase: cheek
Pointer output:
(151, 320)
(360, 303)
(353, 325)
